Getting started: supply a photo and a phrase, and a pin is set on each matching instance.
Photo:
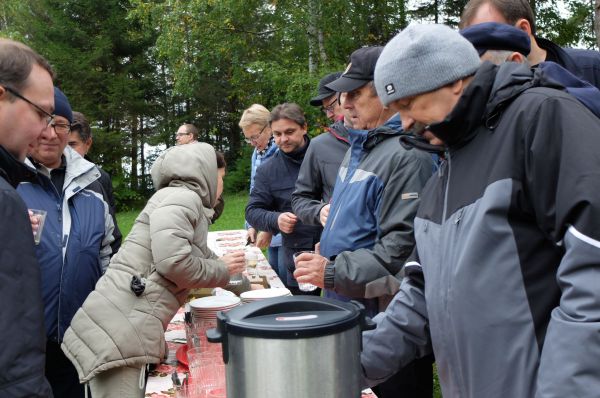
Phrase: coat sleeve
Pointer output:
(402, 332)
(353, 271)
(172, 226)
(259, 210)
(563, 178)
(306, 199)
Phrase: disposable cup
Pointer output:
(305, 287)
(40, 217)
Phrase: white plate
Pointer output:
(214, 302)
(260, 294)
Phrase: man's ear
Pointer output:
(516, 57)
(523, 25)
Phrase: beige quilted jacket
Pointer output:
(167, 248)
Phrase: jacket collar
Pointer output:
(14, 171)
(563, 58)
(298, 155)
(368, 139)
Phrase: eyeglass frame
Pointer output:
(180, 134)
(332, 104)
(49, 117)
(255, 137)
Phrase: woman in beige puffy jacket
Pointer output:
(120, 327)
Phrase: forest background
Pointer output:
(139, 69)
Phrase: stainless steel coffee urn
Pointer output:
(292, 347)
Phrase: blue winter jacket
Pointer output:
(369, 231)
(74, 250)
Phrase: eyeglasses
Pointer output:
(252, 139)
(329, 108)
(180, 134)
(42, 112)
(60, 128)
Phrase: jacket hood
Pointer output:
(492, 89)
(193, 166)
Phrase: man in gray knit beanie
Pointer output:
(503, 282)
(428, 61)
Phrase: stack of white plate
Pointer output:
(206, 308)
(261, 294)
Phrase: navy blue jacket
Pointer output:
(272, 195)
(586, 93)
(74, 250)
(22, 359)
(584, 64)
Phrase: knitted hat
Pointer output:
(423, 58)
(62, 106)
(323, 91)
(497, 36)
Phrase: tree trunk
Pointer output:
(144, 184)
(597, 21)
(134, 154)
(313, 63)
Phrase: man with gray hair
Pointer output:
(26, 109)
(503, 284)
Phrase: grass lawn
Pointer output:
(232, 218)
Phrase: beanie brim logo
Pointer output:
(390, 89)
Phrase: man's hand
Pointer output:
(287, 222)
(263, 240)
(324, 213)
(251, 235)
(310, 268)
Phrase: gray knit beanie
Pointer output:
(423, 58)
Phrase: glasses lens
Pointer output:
(61, 128)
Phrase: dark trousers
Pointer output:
(415, 380)
(61, 373)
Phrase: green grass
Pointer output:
(233, 215)
(232, 218)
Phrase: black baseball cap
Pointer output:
(322, 90)
(359, 71)
(497, 36)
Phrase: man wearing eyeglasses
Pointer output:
(186, 134)
(74, 250)
(314, 186)
(26, 105)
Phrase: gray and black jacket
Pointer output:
(506, 286)
(318, 172)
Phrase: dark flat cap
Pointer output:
(360, 70)
(322, 91)
(497, 36)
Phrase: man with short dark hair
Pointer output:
(503, 284)
(269, 206)
(26, 107)
(368, 233)
(81, 140)
(585, 64)
(186, 134)
(74, 250)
